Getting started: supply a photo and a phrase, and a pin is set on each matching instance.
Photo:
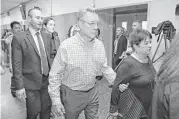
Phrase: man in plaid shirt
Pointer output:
(73, 74)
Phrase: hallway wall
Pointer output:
(65, 15)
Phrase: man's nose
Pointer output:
(41, 20)
(96, 26)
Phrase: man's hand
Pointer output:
(58, 110)
(21, 95)
(123, 87)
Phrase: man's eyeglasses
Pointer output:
(92, 24)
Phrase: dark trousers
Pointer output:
(38, 102)
(76, 101)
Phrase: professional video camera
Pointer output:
(167, 28)
(166, 31)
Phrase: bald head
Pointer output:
(88, 22)
(136, 25)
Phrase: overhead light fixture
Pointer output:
(23, 11)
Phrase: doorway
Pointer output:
(124, 16)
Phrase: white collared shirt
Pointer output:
(33, 33)
(77, 64)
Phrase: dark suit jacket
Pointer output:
(55, 43)
(121, 47)
(26, 61)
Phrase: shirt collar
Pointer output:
(83, 40)
(33, 31)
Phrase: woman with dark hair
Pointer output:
(165, 102)
(49, 27)
(132, 90)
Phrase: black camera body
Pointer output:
(167, 28)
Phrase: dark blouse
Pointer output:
(140, 77)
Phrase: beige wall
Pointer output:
(60, 7)
(63, 23)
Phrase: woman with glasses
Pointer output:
(132, 90)
(49, 26)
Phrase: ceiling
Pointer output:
(7, 5)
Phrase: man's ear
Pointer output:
(29, 18)
(43, 26)
(79, 24)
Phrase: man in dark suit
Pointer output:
(31, 64)
(120, 46)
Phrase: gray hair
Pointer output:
(82, 12)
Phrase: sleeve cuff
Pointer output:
(56, 101)
(19, 85)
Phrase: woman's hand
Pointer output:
(123, 87)
(114, 115)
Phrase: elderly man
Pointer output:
(72, 77)
(31, 64)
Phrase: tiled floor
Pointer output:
(12, 108)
